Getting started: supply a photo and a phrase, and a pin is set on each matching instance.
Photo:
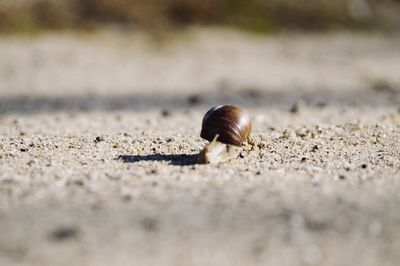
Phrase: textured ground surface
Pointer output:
(99, 135)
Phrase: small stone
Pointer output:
(98, 139)
(78, 183)
(315, 148)
(154, 171)
(303, 132)
(297, 106)
(262, 144)
(64, 233)
(194, 99)
(382, 86)
(288, 133)
(126, 197)
(166, 113)
(150, 224)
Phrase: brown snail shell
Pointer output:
(231, 123)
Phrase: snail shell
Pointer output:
(232, 125)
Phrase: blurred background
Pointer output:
(254, 15)
(207, 51)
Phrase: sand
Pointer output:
(99, 136)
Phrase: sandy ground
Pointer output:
(99, 136)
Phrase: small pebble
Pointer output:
(262, 144)
(64, 233)
(194, 99)
(297, 106)
(166, 113)
(98, 139)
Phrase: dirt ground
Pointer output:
(99, 136)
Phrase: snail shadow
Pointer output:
(173, 159)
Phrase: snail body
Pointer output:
(225, 126)
(216, 152)
(232, 125)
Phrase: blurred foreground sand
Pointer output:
(323, 191)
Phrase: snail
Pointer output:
(226, 127)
